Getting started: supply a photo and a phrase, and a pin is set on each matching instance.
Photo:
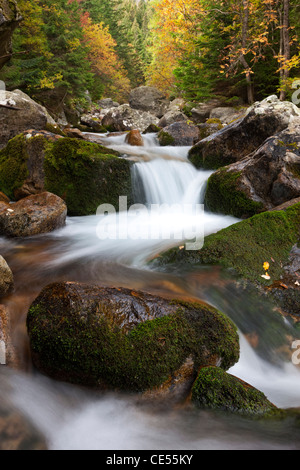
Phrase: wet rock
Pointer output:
(6, 277)
(33, 215)
(237, 140)
(267, 178)
(10, 18)
(82, 173)
(243, 247)
(122, 339)
(125, 118)
(8, 353)
(216, 389)
(27, 114)
(183, 133)
(134, 138)
(149, 99)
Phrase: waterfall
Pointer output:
(169, 195)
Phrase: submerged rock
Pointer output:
(267, 178)
(32, 215)
(244, 136)
(122, 339)
(215, 389)
(82, 173)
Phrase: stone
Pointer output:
(183, 133)
(150, 99)
(121, 339)
(10, 18)
(237, 140)
(226, 114)
(6, 278)
(107, 103)
(215, 389)
(27, 114)
(201, 112)
(124, 118)
(171, 116)
(33, 215)
(134, 138)
(266, 178)
(83, 173)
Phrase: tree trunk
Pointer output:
(286, 49)
(245, 26)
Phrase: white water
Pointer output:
(74, 419)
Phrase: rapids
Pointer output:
(113, 249)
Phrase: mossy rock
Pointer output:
(122, 339)
(215, 389)
(245, 246)
(165, 138)
(223, 196)
(84, 174)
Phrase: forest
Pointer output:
(241, 50)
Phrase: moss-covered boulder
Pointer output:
(84, 174)
(265, 179)
(244, 136)
(122, 339)
(246, 245)
(215, 389)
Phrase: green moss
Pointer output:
(87, 347)
(222, 196)
(165, 138)
(54, 130)
(218, 390)
(86, 175)
(215, 121)
(245, 246)
(13, 165)
(213, 162)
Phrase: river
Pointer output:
(113, 250)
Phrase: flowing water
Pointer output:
(113, 249)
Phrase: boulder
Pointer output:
(120, 339)
(266, 178)
(23, 113)
(82, 173)
(6, 277)
(32, 215)
(244, 136)
(10, 18)
(124, 118)
(107, 103)
(243, 247)
(226, 114)
(183, 133)
(134, 138)
(216, 389)
(171, 116)
(201, 112)
(150, 99)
